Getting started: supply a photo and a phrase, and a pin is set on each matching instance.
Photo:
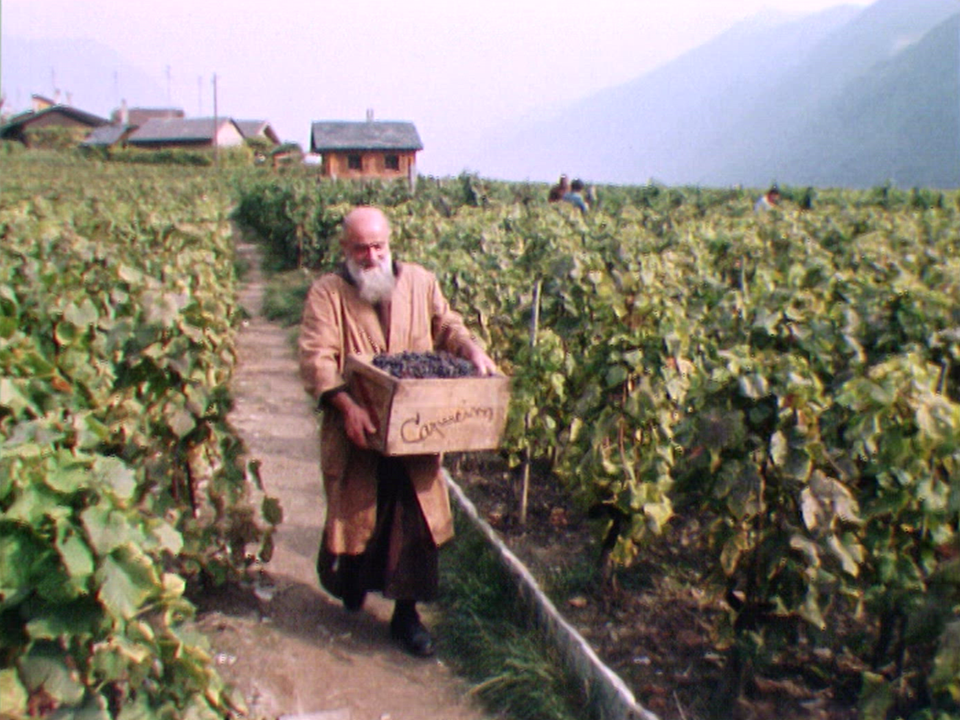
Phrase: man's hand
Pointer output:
(356, 420)
(484, 364)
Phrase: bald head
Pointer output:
(363, 226)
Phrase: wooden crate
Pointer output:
(433, 415)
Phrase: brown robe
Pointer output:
(336, 323)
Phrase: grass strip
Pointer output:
(284, 296)
(491, 640)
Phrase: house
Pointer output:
(159, 128)
(19, 127)
(288, 153)
(251, 129)
(370, 149)
(192, 133)
(138, 116)
(123, 122)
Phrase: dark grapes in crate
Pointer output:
(420, 365)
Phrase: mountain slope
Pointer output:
(849, 96)
(644, 128)
(796, 128)
(899, 122)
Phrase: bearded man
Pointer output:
(386, 516)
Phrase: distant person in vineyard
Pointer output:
(559, 190)
(575, 196)
(590, 197)
(386, 516)
(770, 199)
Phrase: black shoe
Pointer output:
(352, 589)
(410, 633)
(353, 600)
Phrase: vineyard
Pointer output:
(120, 481)
(783, 385)
(786, 386)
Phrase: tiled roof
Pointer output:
(369, 135)
(176, 130)
(250, 128)
(138, 116)
(255, 128)
(105, 135)
(20, 116)
(80, 116)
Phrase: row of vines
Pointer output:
(789, 381)
(121, 481)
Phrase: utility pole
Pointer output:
(216, 145)
(169, 98)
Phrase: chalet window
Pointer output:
(391, 162)
(354, 161)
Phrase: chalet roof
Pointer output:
(257, 128)
(368, 135)
(139, 115)
(16, 118)
(80, 116)
(157, 130)
(105, 135)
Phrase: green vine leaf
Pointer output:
(45, 667)
(946, 664)
(126, 584)
(109, 529)
(13, 696)
(76, 557)
(116, 475)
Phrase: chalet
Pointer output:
(191, 133)
(138, 116)
(370, 149)
(19, 126)
(253, 129)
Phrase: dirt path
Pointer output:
(288, 647)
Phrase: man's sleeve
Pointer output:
(321, 341)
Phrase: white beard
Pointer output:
(376, 283)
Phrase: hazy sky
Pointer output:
(455, 69)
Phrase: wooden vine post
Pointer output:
(525, 488)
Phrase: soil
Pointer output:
(290, 649)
